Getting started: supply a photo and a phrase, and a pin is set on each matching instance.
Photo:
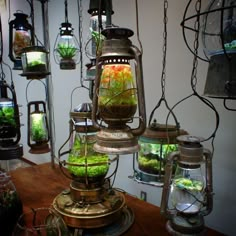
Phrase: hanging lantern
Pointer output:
(90, 203)
(219, 41)
(187, 196)
(117, 97)
(9, 124)
(35, 62)
(156, 143)
(38, 133)
(20, 37)
(98, 11)
(66, 48)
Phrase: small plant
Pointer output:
(66, 50)
(7, 116)
(117, 87)
(38, 130)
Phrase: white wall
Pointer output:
(192, 114)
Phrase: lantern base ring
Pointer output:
(186, 225)
(116, 141)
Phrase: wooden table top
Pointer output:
(38, 186)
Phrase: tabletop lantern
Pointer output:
(90, 204)
(66, 48)
(38, 133)
(35, 62)
(118, 94)
(219, 41)
(187, 195)
(9, 123)
(20, 36)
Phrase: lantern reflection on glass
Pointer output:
(190, 191)
(9, 124)
(119, 94)
(35, 62)
(38, 133)
(19, 38)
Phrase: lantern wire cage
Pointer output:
(67, 47)
(194, 77)
(217, 28)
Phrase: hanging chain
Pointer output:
(66, 11)
(164, 49)
(196, 45)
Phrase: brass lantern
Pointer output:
(38, 132)
(187, 195)
(90, 204)
(118, 94)
(9, 124)
(20, 36)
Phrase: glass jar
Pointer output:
(10, 205)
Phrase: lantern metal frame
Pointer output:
(190, 156)
(19, 23)
(118, 137)
(220, 80)
(10, 135)
(38, 145)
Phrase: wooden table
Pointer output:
(39, 185)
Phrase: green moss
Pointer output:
(99, 169)
(188, 184)
(7, 116)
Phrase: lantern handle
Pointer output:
(209, 189)
(167, 182)
(95, 100)
(140, 88)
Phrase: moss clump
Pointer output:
(188, 184)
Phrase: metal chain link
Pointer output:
(164, 49)
(196, 45)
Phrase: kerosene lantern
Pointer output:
(90, 205)
(118, 94)
(35, 62)
(20, 36)
(9, 123)
(66, 48)
(156, 143)
(187, 195)
(219, 41)
(38, 132)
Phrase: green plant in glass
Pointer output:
(152, 156)
(82, 154)
(66, 51)
(38, 129)
(7, 116)
(98, 39)
(188, 184)
(117, 93)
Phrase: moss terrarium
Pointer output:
(117, 92)
(38, 129)
(188, 184)
(7, 119)
(152, 157)
(34, 61)
(83, 162)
